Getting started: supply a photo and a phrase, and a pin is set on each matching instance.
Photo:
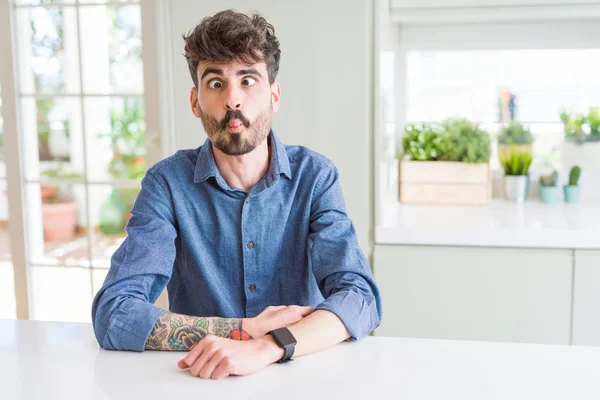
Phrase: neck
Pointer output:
(243, 172)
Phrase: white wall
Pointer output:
(326, 82)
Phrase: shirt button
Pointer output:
(247, 201)
(250, 245)
(252, 288)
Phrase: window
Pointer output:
(80, 92)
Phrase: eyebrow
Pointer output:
(219, 71)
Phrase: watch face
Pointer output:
(285, 337)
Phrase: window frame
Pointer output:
(154, 21)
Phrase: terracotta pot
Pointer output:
(60, 221)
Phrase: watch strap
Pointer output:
(288, 349)
(287, 356)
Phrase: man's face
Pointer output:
(235, 102)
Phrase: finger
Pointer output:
(209, 367)
(207, 354)
(193, 354)
(223, 369)
(306, 310)
(303, 311)
(272, 309)
(181, 364)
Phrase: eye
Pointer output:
(215, 84)
(248, 81)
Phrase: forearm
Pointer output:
(177, 332)
(318, 331)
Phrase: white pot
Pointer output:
(586, 155)
(516, 188)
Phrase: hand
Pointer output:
(274, 317)
(215, 357)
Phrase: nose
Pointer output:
(233, 100)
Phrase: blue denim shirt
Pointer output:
(223, 252)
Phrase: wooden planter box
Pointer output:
(441, 182)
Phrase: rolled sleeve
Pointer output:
(123, 310)
(340, 267)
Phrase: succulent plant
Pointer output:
(466, 142)
(516, 163)
(549, 180)
(574, 176)
(423, 142)
(515, 133)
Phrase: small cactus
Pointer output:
(549, 180)
(574, 176)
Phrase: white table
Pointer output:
(52, 360)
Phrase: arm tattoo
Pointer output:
(181, 332)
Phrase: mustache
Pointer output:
(234, 114)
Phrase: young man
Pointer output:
(251, 236)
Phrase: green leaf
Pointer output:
(202, 323)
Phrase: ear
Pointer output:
(275, 95)
(194, 102)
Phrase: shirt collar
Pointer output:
(279, 163)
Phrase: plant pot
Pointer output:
(505, 149)
(515, 188)
(443, 182)
(572, 193)
(549, 194)
(60, 221)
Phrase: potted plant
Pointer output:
(549, 188)
(59, 209)
(423, 142)
(466, 142)
(514, 136)
(572, 190)
(516, 175)
(582, 139)
(127, 139)
(445, 163)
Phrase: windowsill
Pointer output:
(501, 224)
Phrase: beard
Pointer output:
(237, 143)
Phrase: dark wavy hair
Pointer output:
(230, 35)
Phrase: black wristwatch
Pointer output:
(284, 339)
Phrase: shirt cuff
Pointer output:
(354, 312)
(130, 325)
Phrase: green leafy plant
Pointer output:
(593, 119)
(549, 180)
(574, 175)
(465, 142)
(515, 133)
(516, 163)
(423, 142)
(581, 128)
(128, 140)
